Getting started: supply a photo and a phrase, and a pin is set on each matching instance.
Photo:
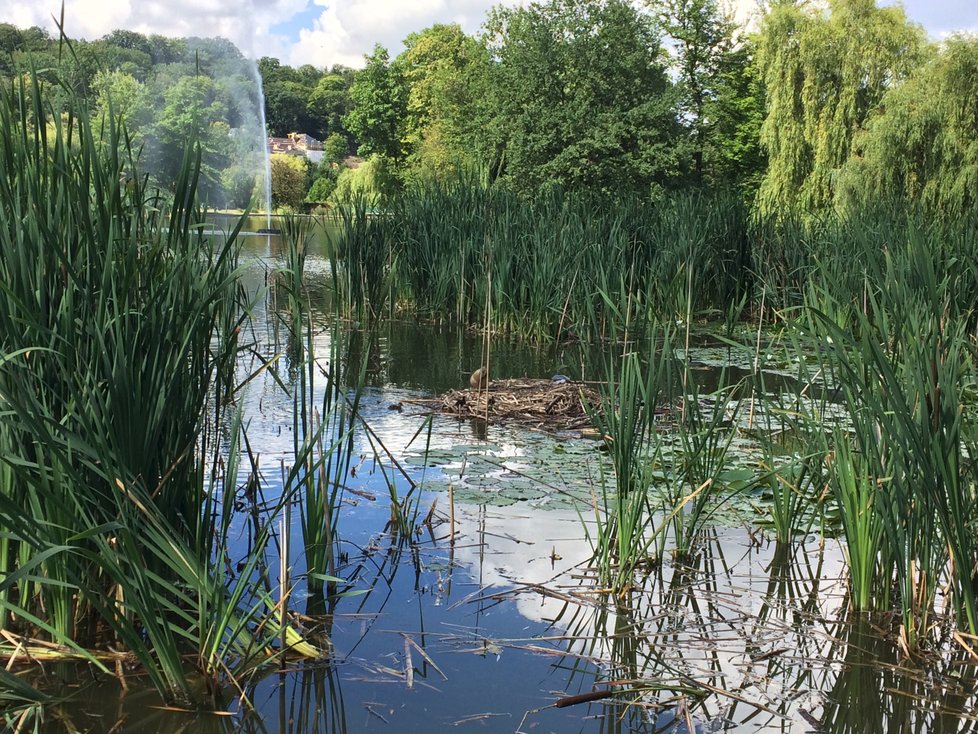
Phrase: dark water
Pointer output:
(502, 609)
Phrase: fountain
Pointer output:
(266, 156)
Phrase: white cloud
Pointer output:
(342, 31)
(347, 29)
(245, 22)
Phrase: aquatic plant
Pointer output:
(362, 260)
(119, 327)
(904, 372)
(458, 248)
(704, 430)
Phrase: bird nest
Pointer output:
(536, 403)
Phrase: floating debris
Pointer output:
(547, 404)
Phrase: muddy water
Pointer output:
(490, 616)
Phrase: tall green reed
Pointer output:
(704, 431)
(904, 372)
(363, 260)
(456, 245)
(636, 379)
(119, 327)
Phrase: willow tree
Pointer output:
(824, 72)
(923, 144)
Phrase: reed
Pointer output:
(363, 260)
(119, 330)
(704, 431)
(904, 371)
(454, 245)
(637, 378)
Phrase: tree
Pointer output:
(703, 39)
(121, 51)
(123, 95)
(579, 97)
(335, 149)
(131, 40)
(285, 107)
(920, 145)
(445, 72)
(823, 75)
(290, 180)
(287, 93)
(378, 99)
(165, 50)
(190, 113)
(321, 190)
(327, 103)
(732, 152)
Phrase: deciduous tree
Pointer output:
(580, 98)
(922, 145)
(290, 180)
(445, 73)
(703, 40)
(823, 75)
(379, 104)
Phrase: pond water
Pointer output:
(489, 617)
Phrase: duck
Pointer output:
(479, 379)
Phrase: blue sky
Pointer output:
(324, 32)
(941, 17)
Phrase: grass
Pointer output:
(120, 329)
(883, 306)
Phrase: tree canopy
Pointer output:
(824, 73)
(579, 97)
(839, 104)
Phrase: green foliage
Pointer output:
(335, 149)
(191, 110)
(460, 243)
(121, 94)
(921, 143)
(164, 89)
(118, 341)
(374, 179)
(290, 180)
(734, 114)
(379, 104)
(634, 383)
(579, 98)
(239, 184)
(823, 75)
(326, 105)
(445, 72)
(321, 190)
(703, 37)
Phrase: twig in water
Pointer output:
(582, 698)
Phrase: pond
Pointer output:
(489, 619)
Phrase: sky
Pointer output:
(327, 32)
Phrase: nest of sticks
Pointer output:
(537, 403)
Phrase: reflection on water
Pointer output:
(491, 615)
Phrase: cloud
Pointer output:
(326, 32)
(347, 29)
(343, 31)
(245, 22)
